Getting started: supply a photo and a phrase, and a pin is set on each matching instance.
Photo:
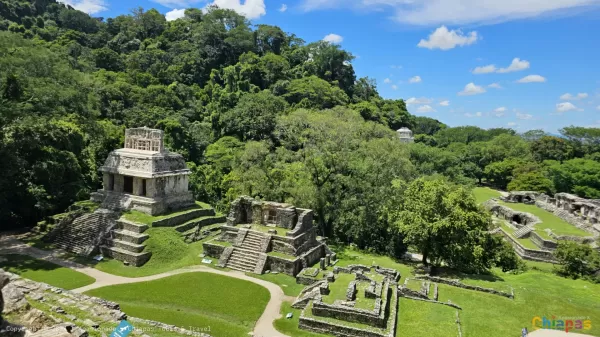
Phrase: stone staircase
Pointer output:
(247, 254)
(116, 203)
(523, 231)
(85, 233)
(243, 260)
(125, 243)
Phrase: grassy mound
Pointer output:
(44, 271)
(228, 307)
(483, 194)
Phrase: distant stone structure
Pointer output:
(144, 176)
(368, 310)
(405, 135)
(271, 236)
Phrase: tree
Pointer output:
(446, 226)
(501, 173)
(551, 148)
(313, 92)
(254, 117)
(532, 181)
(427, 126)
(577, 260)
(584, 140)
(579, 176)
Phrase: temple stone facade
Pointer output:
(405, 135)
(262, 236)
(144, 176)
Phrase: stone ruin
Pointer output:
(35, 309)
(579, 212)
(368, 310)
(405, 135)
(262, 236)
(142, 176)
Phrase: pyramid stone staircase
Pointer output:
(523, 231)
(85, 233)
(247, 254)
(125, 243)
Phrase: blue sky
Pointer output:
(523, 64)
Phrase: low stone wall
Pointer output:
(507, 213)
(213, 250)
(541, 242)
(284, 266)
(528, 254)
(184, 217)
(457, 283)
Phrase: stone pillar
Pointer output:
(119, 183)
(151, 188)
(138, 188)
(106, 181)
(328, 259)
(322, 264)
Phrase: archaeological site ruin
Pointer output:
(581, 213)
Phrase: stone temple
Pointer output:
(144, 176)
(405, 135)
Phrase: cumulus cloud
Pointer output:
(416, 79)
(532, 79)
(459, 12)
(569, 97)
(425, 109)
(524, 116)
(445, 39)
(444, 103)
(333, 38)
(422, 100)
(516, 65)
(565, 107)
(471, 89)
(477, 114)
(387, 80)
(87, 6)
(495, 86)
(484, 70)
(499, 112)
(252, 9)
(175, 14)
(511, 124)
(395, 87)
(283, 8)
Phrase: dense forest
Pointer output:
(255, 111)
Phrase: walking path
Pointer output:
(264, 325)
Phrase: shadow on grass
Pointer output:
(21, 263)
(450, 273)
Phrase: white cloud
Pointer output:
(472, 89)
(175, 14)
(445, 103)
(251, 9)
(565, 107)
(333, 38)
(395, 87)
(176, 3)
(477, 114)
(422, 100)
(569, 97)
(283, 8)
(524, 116)
(516, 65)
(416, 79)
(532, 79)
(598, 107)
(387, 80)
(445, 39)
(500, 109)
(87, 6)
(435, 12)
(425, 109)
(495, 86)
(511, 124)
(484, 70)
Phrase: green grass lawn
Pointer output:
(44, 271)
(143, 218)
(282, 255)
(549, 220)
(483, 194)
(538, 292)
(169, 252)
(286, 282)
(229, 307)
